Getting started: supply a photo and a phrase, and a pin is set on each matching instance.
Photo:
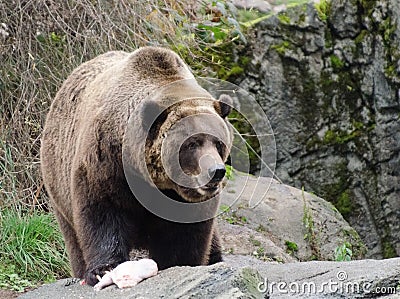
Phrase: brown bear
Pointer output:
(100, 115)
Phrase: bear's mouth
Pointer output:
(202, 193)
(210, 188)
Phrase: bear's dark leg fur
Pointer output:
(215, 251)
(78, 264)
(180, 244)
(102, 205)
(104, 237)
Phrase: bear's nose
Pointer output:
(216, 172)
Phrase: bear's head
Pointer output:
(187, 145)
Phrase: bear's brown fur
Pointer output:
(81, 158)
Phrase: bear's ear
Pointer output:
(223, 105)
(150, 111)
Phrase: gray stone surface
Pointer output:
(246, 277)
(267, 214)
(330, 86)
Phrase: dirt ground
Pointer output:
(7, 294)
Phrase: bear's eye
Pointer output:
(220, 147)
(192, 145)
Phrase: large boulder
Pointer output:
(273, 221)
(246, 277)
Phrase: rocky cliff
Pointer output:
(328, 77)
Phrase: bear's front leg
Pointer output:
(215, 251)
(104, 238)
(180, 244)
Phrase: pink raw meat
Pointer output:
(128, 274)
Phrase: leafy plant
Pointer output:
(343, 252)
(259, 251)
(291, 247)
(323, 8)
(10, 279)
(231, 216)
(224, 208)
(220, 25)
(229, 172)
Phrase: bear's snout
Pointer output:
(216, 173)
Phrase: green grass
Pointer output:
(31, 250)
